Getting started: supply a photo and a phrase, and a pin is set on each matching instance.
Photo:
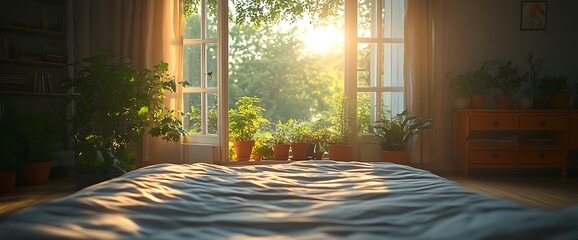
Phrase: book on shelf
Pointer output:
(6, 51)
(45, 83)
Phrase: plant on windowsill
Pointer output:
(554, 89)
(474, 84)
(394, 132)
(320, 137)
(301, 137)
(263, 146)
(282, 139)
(341, 135)
(115, 105)
(244, 122)
(506, 79)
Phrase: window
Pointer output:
(378, 59)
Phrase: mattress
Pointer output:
(300, 200)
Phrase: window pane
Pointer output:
(192, 109)
(393, 64)
(366, 71)
(212, 113)
(365, 111)
(364, 18)
(393, 14)
(193, 26)
(211, 19)
(211, 55)
(192, 65)
(392, 101)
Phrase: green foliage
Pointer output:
(114, 105)
(269, 63)
(394, 131)
(550, 85)
(301, 132)
(246, 119)
(320, 133)
(259, 12)
(263, 145)
(475, 81)
(282, 131)
(340, 132)
(505, 76)
(533, 74)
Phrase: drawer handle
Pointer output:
(542, 155)
(495, 123)
(542, 123)
(494, 155)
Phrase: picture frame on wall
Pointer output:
(533, 15)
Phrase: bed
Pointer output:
(300, 200)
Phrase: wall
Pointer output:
(482, 30)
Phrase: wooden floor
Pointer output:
(548, 191)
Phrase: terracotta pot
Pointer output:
(281, 151)
(526, 103)
(560, 101)
(299, 150)
(398, 157)
(7, 181)
(339, 152)
(243, 149)
(36, 173)
(477, 101)
(503, 101)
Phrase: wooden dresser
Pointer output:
(513, 138)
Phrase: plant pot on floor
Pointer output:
(36, 173)
(243, 149)
(398, 157)
(299, 150)
(281, 151)
(339, 152)
(7, 181)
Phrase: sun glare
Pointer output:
(323, 39)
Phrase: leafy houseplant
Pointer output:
(341, 135)
(505, 77)
(474, 84)
(394, 132)
(263, 148)
(282, 139)
(555, 90)
(244, 121)
(301, 137)
(115, 104)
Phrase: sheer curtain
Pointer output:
(147, 32)
(427, 94)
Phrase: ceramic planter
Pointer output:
(243, 149)
(339, 152)
(7, 181)
(281, 151)
(503, 101)
(299, 150)
(36, 173)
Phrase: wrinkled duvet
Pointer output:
(301, 200)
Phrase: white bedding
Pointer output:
(301, 200)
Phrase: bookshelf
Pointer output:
(35, 60)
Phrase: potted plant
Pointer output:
(527, 102)
(394, 132)
(300, 135)
(281, 139)
(506, 79)
(244, 121)
(473, 84)
(115, 104)
(262, 149)
(37, 133)
(555, 90)
(341, 135)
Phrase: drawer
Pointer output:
(544, 122)
(542, 157)
(493, 122)
(573, 135)
(499, 157)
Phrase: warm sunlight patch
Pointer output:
(323, 39)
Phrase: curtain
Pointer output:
(145, 31)
(426, 90)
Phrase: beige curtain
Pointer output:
(147, 32)
(427, 94)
